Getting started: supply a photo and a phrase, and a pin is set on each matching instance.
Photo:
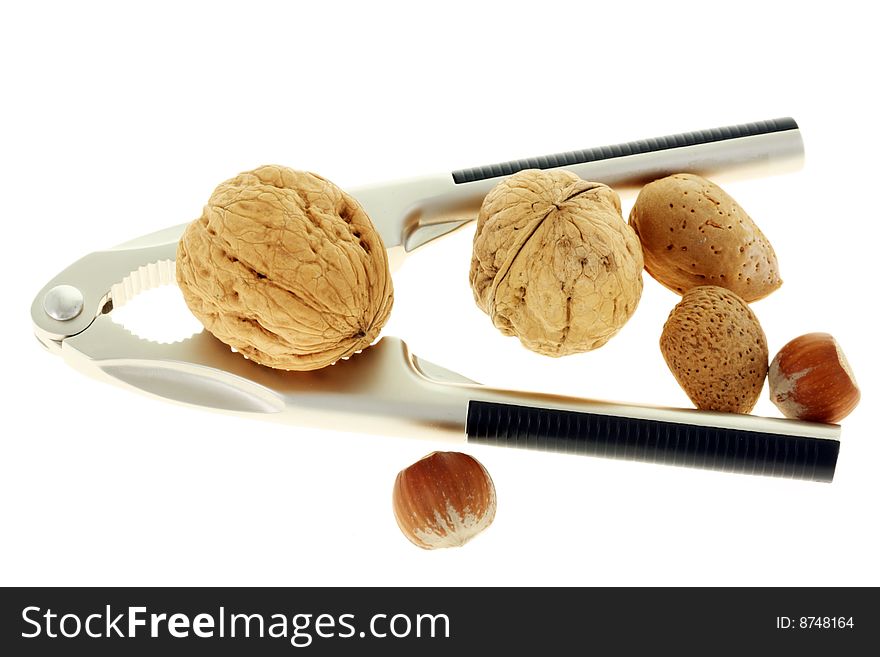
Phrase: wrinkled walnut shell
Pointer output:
(554, 263)
(287, 269)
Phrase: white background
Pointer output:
(118, 121)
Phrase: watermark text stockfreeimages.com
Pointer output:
(300, 629)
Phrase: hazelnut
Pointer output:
(810, 379)
(443, 500)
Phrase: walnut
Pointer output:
(554, 263)
(286, 268)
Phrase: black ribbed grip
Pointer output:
(655, 441)
(622, 150)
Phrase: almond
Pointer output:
(693, 233)
(716, 349)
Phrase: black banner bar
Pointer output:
(401, 621)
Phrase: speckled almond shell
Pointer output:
(717, 350)
(286, 268)
(554, 263)
(693, 233)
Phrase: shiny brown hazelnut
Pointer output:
(811, 379)
(443, 500)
